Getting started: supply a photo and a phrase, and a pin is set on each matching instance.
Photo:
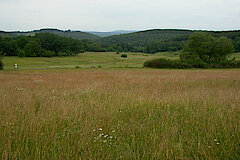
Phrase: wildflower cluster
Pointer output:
(104, 138)
(217, 142)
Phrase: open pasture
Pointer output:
(120, 114)
(84, 60)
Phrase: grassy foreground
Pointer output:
(120, 114)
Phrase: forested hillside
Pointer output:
(46, 45)
(68, 33)
(150, 41)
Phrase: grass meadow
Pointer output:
(117, 113)
(84, 60)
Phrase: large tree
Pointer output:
(203, 46)
(33, 49)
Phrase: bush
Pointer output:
(165, 63)
(62, 54)
(198, 63)
(1, 56)
(225, 64)
(124, 55)
(1, 64)
(48, 54)
(21, 53)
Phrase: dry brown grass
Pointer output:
(162, 114)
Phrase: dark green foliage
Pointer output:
(48, 53)
(8, 46)
(201, 51)
(62, 54)
(124, 55)
(150, 41)
(165, 63)
(21, 53)
(1, 65)
(207, 48)
(178, 64)
(33, 49)
(47, 45)
(68, 33)
(1, 56)
(153, 41)
(143, 37)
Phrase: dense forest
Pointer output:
(46, 45)
(53, 42)
(152, 41)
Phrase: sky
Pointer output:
(110, 15)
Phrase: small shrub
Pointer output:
(48, 54)
(62, 54)
(124, 55)
(117, 52)
(166, 63)
(21, 53)
(198, 63)
(1, 64)
(225, 64)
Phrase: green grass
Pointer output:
(120, 114)
(89, 60)
(84, 60)
(236, 55)
(51, 110)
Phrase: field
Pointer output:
(84, 60)
(58, 111)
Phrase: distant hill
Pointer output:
(143, 37)
(106, 34)
(141, 41)
(68, 33)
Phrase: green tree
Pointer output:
(221, 47)
(202, 46)
(33, 49)
(8, 46)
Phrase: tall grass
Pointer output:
(120, 114)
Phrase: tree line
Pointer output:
(201, 50)
(46, 45)
(153, 41)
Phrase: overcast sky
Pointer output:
(109, 15)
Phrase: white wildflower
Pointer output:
(100, 129)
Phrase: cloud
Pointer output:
(106, 15)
